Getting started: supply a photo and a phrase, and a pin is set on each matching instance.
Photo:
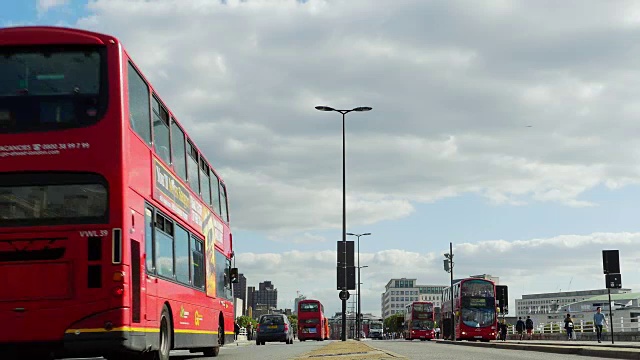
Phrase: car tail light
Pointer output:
(257, 327)
(286, 328)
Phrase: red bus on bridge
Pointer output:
(474, 303)
(312, 324)
(419, 321)
(114, 229)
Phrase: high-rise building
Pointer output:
(240, 291)
(299, 298)
(267, 294)
(251, 304)
(401, 292)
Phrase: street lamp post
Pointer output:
(344, 207)
(448, 267)
(359, 310)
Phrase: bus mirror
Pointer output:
(234, 275)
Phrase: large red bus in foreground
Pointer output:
(419, 321)
(114, 229)
(312, 324)
(474, 303)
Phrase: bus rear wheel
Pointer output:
(212, 351)
(165, 336)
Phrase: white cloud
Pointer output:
(452, 87)
(42, 6)
(526, 266)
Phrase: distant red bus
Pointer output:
(475, 302)
(419, 321)
(114, 229)
(312, 324)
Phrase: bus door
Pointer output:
(150, 288)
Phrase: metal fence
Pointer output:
(620, 324)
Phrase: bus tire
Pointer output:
(212, 351)
(165, 335)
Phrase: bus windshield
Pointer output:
(478, 317)
(44, 87)
(309, 307)
(422, 307)
(421, 325)
(375, 326)
(478, 303)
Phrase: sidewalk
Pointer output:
(622, 350)
(349, 350)
(242, 341)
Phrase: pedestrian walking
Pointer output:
(568, 326)
(599, 320)
(438, 332)
(520, 328)
(249, 332)
(236, 329)
(503, 330)
(529, 326)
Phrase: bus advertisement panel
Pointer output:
(312, 324)
(419, 321)
(474, 304)
(115, 236)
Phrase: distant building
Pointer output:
(553, 307)
(401, 292)
(548, 303)
(267, 294)
(296, 301)
(251, 305)
(240, 292)
(495, 279)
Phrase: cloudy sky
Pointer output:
(505, 127)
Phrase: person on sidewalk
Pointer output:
(529, 326)
(568, 326)
(236, 329)
(503, 330)
(520, 328)
(599, 320)
(249, 331)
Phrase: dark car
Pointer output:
(274, 327)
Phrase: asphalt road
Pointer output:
(431, 350)
(270, 351)
(409, 349)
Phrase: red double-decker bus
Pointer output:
(419, 321)
(312, 324)
(114, 229)
(474, 303)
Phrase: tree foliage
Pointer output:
(244, 321)
(394, 323)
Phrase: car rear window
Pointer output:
(272, 320)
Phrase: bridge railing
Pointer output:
(620, 324)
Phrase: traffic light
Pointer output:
(233, 273)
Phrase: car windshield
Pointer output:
(272, 320)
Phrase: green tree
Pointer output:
(293, 319)
(394, 323)
(243, 321)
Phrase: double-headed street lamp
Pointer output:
(344, 207)
(359, 310)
